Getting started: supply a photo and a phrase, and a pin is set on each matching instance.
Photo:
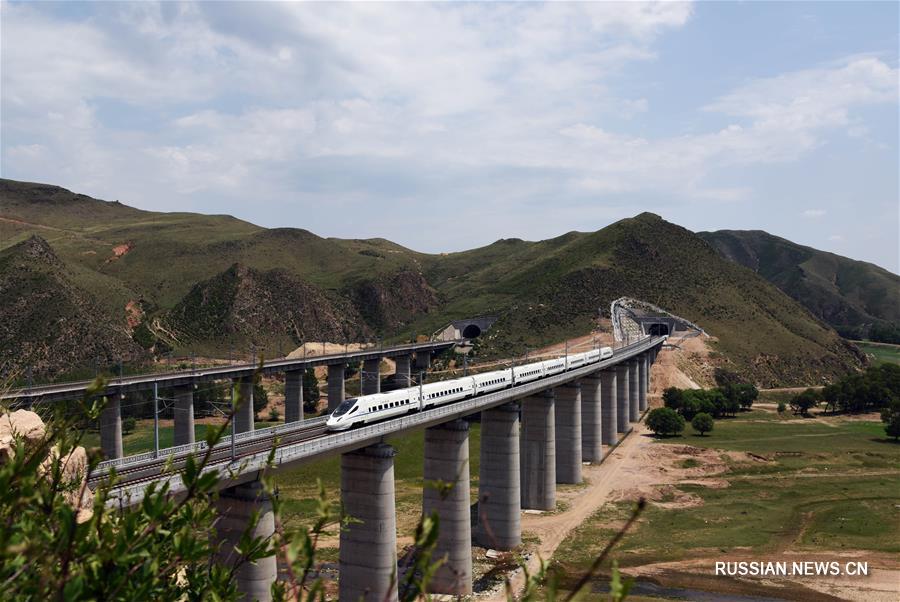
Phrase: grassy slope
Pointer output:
(843, 292)
(192, 247)
(832, 487)
(554, 288)
(543, 291)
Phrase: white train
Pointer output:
(379, 406)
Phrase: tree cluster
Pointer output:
(718, 402)
(864, 391)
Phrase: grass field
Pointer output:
(882, 352)
(827, 486)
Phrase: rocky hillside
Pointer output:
(266, 309)
(856, 298)
(48, 324)
(391, 301)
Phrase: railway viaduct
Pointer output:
(533, 436)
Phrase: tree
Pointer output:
(673, 397)
(665, 421)
(310, 391)
(746, 395)
(162, 549)
(128, 425)
(890, 416)
(831, 395)
(702, 423)
(260, 398)
(802, 402)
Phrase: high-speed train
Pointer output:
(379, 406)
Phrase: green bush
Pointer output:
(890, 416)
(782, 407)
(128, 425)
(702, 423)
(665, 421)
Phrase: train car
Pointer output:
(492, 381)
(554, 366)
(575, 360)
(446, 391)
(371, 408)
(528, 372)
(606, 352)
(592, 356)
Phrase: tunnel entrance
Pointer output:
(471, 331)
(658, 330)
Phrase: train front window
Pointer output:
(344, 407)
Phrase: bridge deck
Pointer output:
(306, 441)
(73, 390)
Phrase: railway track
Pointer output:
(222, 454)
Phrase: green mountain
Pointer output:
(206, 283)
(858, 299)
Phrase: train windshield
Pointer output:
(344, 407)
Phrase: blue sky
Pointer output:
(447, 126)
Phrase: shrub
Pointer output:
(260, 398)
(782, 407)
(665, 421)
(702, 423)
(274, 415)
(128, 425)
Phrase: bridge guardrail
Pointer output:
(201, 445)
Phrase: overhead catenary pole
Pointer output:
(421, 396)
(155, 419)
(234, 389)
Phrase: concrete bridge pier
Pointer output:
(568, 419)
(538, 452)
(499, 499)
(623, 394)
(591, 419)
(293, 396)
(423, 361)
(447, 464)
(111, 426)
(609, 405)
(402, 373)
(368, 548)
(644, 361)
(236, 507)
(242, 392)
(634, 413)
(184, 415)
(335, 384)
(370, 377)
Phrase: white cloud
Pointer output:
(814, 213)
(160, 103)
(836, 238)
